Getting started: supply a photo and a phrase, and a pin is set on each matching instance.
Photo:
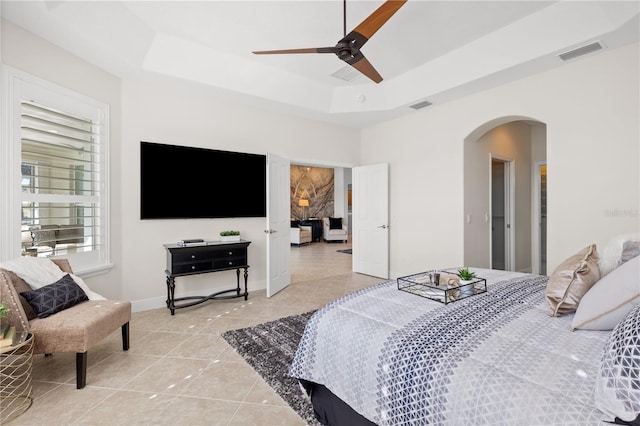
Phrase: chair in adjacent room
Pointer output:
(334, 229)
(300, 234)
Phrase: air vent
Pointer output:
(580, 51)
(346, 73)
(420, 105)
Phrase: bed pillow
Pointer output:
(617, 391)
(52, 298)
(335, 223)
(610, 299)
(571, 280)
(610, 255)
(630, 249)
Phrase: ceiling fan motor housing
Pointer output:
(346, 51)
(349, 47)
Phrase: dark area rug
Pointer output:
(269, 348)
(348, 251)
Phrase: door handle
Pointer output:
(383, 226)
(269, 231)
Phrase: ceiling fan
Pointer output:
(348, 48)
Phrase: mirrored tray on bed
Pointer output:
(422, 284)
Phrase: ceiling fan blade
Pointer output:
(306, 50)
(376, 20)
(361, 63)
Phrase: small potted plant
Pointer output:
(466, 277)
(230, 236)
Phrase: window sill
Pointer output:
(93, 271)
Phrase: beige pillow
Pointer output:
(571, 280)
(610, 299)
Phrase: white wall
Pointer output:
(591, 110)
(348, 180)
(163, 110)
(339, 193)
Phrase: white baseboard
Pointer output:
(148, 304)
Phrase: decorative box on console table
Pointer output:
(423, 284)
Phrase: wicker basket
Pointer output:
(16, 391)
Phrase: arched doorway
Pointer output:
(502, 195)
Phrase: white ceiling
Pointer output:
(429, 50)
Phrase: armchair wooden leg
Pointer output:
(125, 337)
(81, 370)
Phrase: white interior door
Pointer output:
(278, 224)
(370, 204)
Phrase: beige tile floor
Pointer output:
(179, 370)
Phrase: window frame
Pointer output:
(18, 86)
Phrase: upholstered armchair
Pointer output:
(300, 234)
(334, 229)
(73, 329)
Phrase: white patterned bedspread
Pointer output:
(494, 358)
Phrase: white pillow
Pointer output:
(610, 299)
(35, 271)
(610, 256)
(630, 249)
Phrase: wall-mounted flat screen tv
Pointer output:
(180, 182)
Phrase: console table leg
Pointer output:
(246, 275)
(168, 291)
(171, 288)
(238, 282)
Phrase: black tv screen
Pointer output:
(180, 182)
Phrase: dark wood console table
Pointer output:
(202, 258)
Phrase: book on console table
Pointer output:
(192, 242)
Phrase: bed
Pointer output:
(387, 357)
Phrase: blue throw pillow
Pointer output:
(335, 223)
(55, 297)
